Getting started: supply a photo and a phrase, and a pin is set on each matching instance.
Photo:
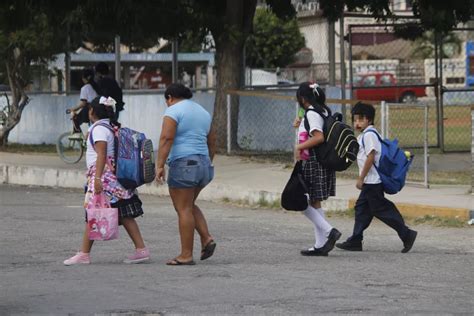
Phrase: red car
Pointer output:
(383, 87)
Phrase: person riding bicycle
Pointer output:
(89, 91)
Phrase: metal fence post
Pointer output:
(387, 121)
(383, 118)
(297, 110)
(425, 149)
(441, 104)
(229, 129)
(117, 60)
(342, 66)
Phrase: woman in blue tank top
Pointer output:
(187, 146)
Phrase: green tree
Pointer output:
(424, 45)
(273, 42)
(437, 16)
(28, 34)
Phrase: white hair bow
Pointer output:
(108, 102)
(314, 86)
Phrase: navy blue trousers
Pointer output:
(372, 203)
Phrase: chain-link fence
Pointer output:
(409, 123)
(457, 80)
(264, 124)
(264, 127)
(429, 70)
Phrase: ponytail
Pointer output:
(314, 94)
(103, 111)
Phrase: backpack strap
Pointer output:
(375, 132)
(112, 129)
(378, 136)
(317, 110)
(91, 138)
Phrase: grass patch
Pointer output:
(348, 213)
(261, 203)
(438, 221)
(29, 148)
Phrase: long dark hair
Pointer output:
(103, 111)
(88, 74)
(313, 93)
(179, 91)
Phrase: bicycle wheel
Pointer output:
(69, 150)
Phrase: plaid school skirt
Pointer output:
(127, 201)
(321, 182)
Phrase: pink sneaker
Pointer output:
(79, 258)
(140, 255)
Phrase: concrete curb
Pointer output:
(66, 178)
(215, 191)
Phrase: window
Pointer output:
(454, 80)
(368, 81)
(385, 80)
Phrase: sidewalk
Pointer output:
(241, 179)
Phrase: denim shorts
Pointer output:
(190, 172)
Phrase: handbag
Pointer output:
(295, 195)
(102, 219)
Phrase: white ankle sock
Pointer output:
(321, 226)
(324, 224)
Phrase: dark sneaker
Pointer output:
(334, 235)
(350, 246)
(409, 241)
(314, 252)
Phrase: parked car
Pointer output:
(383, 87)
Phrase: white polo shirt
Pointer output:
(100, 133)
(371, 142)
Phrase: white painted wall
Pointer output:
(45, 118)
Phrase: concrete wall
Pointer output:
(44, 118)
(472, 149)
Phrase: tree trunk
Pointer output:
(13, 118)
(229, 60)
(18, 102)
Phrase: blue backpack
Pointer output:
(134, 162)
(393, 165)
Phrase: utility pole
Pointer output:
(174, 61)
(117, 60)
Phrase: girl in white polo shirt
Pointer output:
(101, 179)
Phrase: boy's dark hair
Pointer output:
(102, 68)
(312, 93)
(88, 73)
(365, 110)
(103, 112)
(179, 91)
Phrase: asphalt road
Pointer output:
(256, 269)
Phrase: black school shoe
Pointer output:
(350, 246)
(409, 241)
(334, 236)
(314, 252)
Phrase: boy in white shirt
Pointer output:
(372, 202)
